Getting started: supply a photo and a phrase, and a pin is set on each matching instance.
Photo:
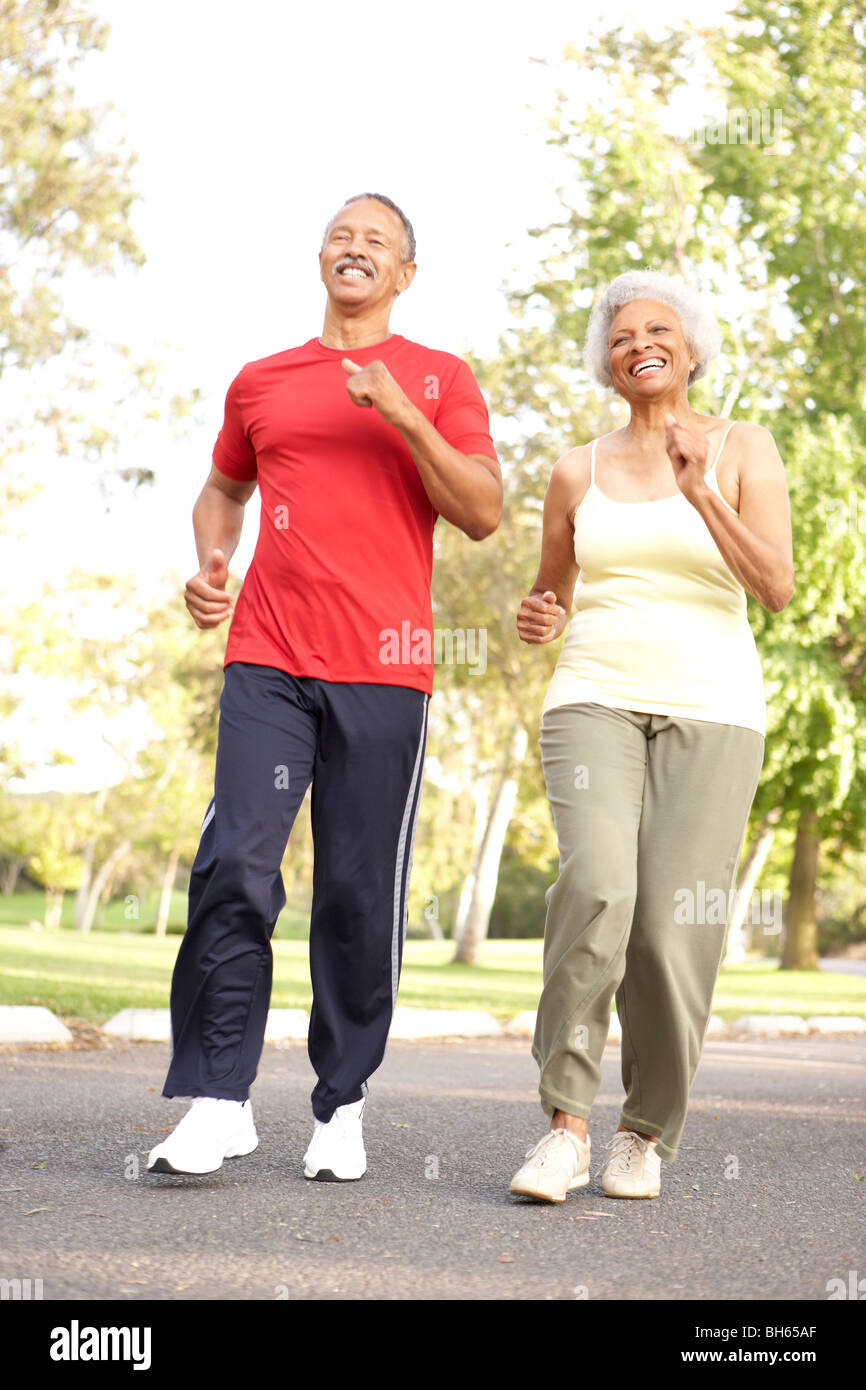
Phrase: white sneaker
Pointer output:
(557, 1164)
(210, 1131)
(336, 1152)
(633, 1168)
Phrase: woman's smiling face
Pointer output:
(648, 354)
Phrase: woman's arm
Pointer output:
(756, 545)
(545, 611)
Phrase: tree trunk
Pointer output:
(83, 909)
(464, 903)
(165, 895)
(82, 896)
(800, 951)
(11, 872)
(431, 920)
(104, 900)
(53, 908)
(99, 881)
(480, 889)
(738, 931)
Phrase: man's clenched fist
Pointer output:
(374, 385)
(205, 594)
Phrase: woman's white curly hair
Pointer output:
(698, 321)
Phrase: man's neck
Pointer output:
(349, 333)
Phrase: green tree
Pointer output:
(56, 863)
(127, 662)
(813, 658)
(66, 196)
(800, 199)
(66, 193)
(495, 699)
(800, 202)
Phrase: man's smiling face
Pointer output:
(361, 262)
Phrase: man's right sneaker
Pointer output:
(210, 1131)
(557, 1164)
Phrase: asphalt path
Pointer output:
(765, 1201)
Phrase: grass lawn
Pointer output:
(91, 977)
(135, 915)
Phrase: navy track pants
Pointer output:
(362, 747)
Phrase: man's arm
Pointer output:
(464, 488)
(217, 518)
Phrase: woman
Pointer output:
(652, 734)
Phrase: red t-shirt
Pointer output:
(339, 586)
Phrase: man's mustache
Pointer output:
(357, 261)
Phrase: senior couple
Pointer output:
(651, 732)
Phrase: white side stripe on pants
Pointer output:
(407, 831)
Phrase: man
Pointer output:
(357, 441)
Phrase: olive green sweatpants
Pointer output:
(650, 813)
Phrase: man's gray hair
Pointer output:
(408, 252)
(700, 329)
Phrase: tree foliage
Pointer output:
(66, 195)
(66, 198)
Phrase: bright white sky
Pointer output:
(252, 123)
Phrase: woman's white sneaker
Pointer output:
(556, 1165)
(336, 1152)
(210, 1131)
(633, 1168)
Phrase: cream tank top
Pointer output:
(660, 625)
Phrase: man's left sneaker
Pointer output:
(336, 1152)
